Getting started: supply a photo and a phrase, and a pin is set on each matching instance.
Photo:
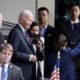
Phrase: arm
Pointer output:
(75, 51)
(15, 40)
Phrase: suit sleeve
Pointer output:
(15, 40)
(75, 51)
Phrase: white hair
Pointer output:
(25, 13)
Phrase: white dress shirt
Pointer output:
(43, 30)
(5, 71)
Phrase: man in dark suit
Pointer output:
(23, 55)
(48, 32)
(71, 29)
(8, 70)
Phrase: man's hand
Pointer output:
(33, 58)
(39, 46)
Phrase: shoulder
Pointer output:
(16, 27)
(15, 67)
(50, 27)
(14, 31)
(16, 71)
(65, 54)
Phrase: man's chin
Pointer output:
(5, 62)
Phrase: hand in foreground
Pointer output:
(33, 58)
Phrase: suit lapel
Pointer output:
(10, 72)
(23, 37)
(47, 33)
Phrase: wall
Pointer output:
(50, 4)
(11, 8)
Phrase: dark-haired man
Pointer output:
(71, 29)
(48, 32)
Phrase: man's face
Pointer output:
(74, 11)
(27, 21)
(35, 30)
(5, 56)
(43, 17)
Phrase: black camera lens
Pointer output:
(35, 41)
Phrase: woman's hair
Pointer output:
(33, 24)
(61, 41)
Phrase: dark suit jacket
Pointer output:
(14, 72)
(49, 39)
(67, 70)
(22, 51)
(50, 35)
(73, 37)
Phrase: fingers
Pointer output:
(33, 58)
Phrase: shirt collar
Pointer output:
(77, 21)
(22, 28)
(45, 26)
(6, 65)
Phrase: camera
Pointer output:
(35, 40)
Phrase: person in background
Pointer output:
(71, 29)
(66, 64)
(8, 71)
(24, 55)
(46, 31)
(38, 44)
(1, 35)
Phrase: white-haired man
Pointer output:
(23, 55)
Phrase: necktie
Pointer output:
(42, 32)
(3, 73)
(73, 25)
(27, 36)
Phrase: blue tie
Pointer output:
(42, 32)
(3, 73)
